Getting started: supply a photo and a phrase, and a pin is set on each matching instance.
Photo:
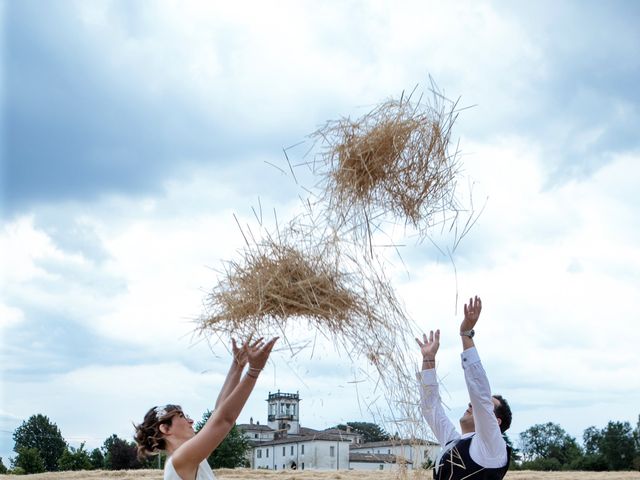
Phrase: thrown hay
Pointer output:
(275, 284)
(393, 161)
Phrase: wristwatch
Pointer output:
(468, 333)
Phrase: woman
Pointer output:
(168, 429)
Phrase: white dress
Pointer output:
(204, 471)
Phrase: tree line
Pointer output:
(40, 447)
(549, 447)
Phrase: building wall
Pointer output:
(316, 456)
(373, 466)
(262, 436)
(415, 453)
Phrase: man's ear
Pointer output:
(164, 428)
(499, 421)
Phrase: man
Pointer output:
(480, 451)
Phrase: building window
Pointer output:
(284, 451)
(389, 451)
(302, 465)
(291, 449)
(275, 467)
(259, 453)
(284, 466)
(302, 450)
(255, 435)
(332, 451)
(267, 453)
(381, 467)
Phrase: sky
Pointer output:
(134, 132)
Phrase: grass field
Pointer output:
(310, 475)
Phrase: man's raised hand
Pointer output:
(471, 314)
(429, 345)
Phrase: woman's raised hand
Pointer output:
(239, 353)
(258, 352)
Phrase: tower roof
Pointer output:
(283, 396)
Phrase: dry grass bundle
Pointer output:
(394, 160)
(276, 283)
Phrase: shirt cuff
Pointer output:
(429, 377)
(469, 357)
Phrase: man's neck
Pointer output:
(466, 429)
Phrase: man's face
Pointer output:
(467, 416)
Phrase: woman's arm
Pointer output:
(189, 455)
(235, 371)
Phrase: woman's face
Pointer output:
(181, 426)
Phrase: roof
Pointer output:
(337, 431)
(376, 458)
(395, 443)
(250, 427)
(301, 438)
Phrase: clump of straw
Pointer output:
(394, 160)
(275, 283)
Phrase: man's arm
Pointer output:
(488, 442)
(430, 401)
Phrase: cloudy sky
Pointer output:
(134, 131)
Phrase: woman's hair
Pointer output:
(148, 436)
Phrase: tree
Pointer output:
(593, 458)
(3, 468)
(29, 460)
(548, 441)
(370, 432)
(636, 439)
(75, 459)
(40, 433)
(97, 459)
(515, 452)
(232, 452)
(120, 454)
(612, 448)
(617, 445)
(591, 439)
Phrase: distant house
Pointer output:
(283, 444)
(412, 452)
(376, 461)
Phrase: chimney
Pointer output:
(251, 421)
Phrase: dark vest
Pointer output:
(456, 464)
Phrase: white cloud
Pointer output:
(10, 316)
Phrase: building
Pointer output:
(413, 452)
(284, 444)
(376, 461)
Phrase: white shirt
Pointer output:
(204, 471)
(488, 448)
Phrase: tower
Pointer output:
(283, 413)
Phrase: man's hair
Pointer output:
(503, 412)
